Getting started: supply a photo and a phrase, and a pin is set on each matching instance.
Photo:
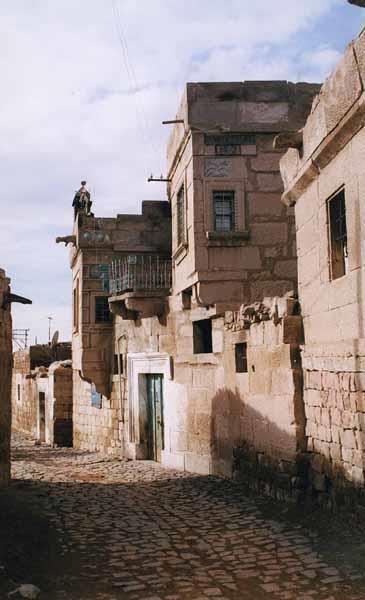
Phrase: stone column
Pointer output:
(5, 381)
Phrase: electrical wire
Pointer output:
(133, 83)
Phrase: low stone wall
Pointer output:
(5, 381)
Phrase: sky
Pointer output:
(85, 86)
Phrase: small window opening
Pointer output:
(76, 306)
(102, 312)
(336, 207)
(202, 336)
(19, 392)
(96, 398)
(180, 209)
(223, 208)
(241, 358)
(116, 368)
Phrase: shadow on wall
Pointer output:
(267, 460)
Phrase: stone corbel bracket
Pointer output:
(9, 298)
(289, 139)
(66, 239)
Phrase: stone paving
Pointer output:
(137, 531)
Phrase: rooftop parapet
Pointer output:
(338, 112)
(246, 107)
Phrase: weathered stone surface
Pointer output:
(5, 381)
(341, 90)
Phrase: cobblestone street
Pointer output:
(135, 530)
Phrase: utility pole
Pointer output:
(49, 329)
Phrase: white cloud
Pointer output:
(68, 111)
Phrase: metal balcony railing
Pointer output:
(137, 272)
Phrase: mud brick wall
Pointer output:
(5, 382)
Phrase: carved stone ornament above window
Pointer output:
(217, 167)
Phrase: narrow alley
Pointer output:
(134, 530)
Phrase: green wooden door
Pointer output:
(155, 416)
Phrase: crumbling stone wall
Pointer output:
(5, 381)
(95, 428)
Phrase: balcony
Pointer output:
(139, 284)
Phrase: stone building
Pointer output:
(42, 393)
(5, 379)
(215, 366)
(200, 358)
(96, 242)
(324, 180)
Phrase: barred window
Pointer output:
(336, 207)
(180, 209)
(102, 312)
(223, 208)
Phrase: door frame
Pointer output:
(155, 416)
(142, 363)
(42, 402)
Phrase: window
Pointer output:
(180, 215)
(223, 209)
(337, 235)
(102, 312)
(241, 357)
(101, 272)
(76, 306)
(96, 398)
(202, 336)
(116, 369)
(19, 394)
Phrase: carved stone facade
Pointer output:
(97, 242)
(249, 252)
(5, 380)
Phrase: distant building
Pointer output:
(42, 393)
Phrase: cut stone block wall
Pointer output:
(55, 383)
(211, 412)
(332, 158)
(95, 429)
(334, 397)
(24, 395)
(5, 381)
